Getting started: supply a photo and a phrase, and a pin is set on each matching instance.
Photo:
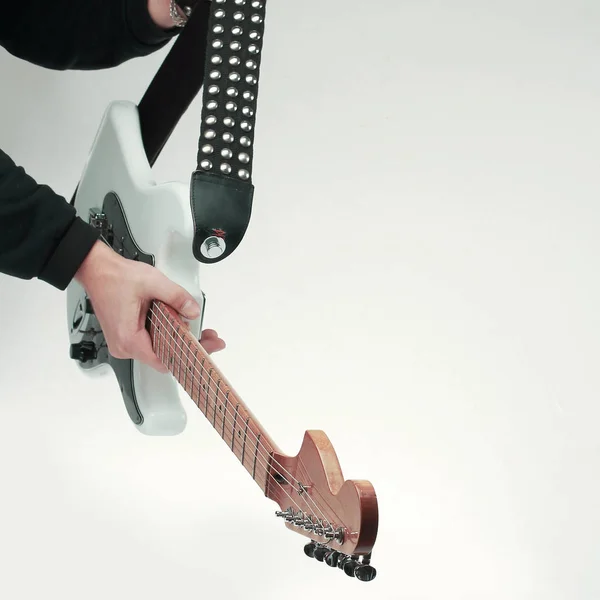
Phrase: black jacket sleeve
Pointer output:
(79, 34)
(40, 234)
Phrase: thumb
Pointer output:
(162, 288)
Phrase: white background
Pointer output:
(420, 280)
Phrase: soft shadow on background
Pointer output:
(420, 280)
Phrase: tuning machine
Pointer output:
(317, 526)
(353, 566)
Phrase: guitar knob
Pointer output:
(365, 573)
(83, 351)
(350, 567)
(320, 553)
(331, 558)
(309, 549)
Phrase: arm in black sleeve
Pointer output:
(80, 34)
(40, 234)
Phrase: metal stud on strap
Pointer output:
(229, 101)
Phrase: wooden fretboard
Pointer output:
(182, 353)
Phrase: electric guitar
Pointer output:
(157, 223)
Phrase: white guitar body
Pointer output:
(159, 219)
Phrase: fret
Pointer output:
(187, 366)
(178, 352)
(211, 384)
(225, 413)
(173, 355)
(157, 332)
(165, 333)
(170, 350)
(255, 456)
(203, 385)
(237, 408)
(182, 346)
(178, 346)
(161, 338)
(185, 371)
(218, 405)
(190, 373)
(194, 375)
(175, 345)
(245, 436)
(151, 316)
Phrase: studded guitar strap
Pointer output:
(219, 48)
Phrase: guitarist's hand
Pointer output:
(121, 291)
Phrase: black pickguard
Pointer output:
(93, 351)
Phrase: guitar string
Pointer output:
(217, 391)
(258, 441)
(308, 498)
(323, 499)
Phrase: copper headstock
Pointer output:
(339, 518)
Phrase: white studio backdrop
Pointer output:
(420, 280)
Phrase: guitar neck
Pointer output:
(189, 363)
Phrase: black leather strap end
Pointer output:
(221, 209)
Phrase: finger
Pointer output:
(213, 345)
(162, 288)
(210, 333)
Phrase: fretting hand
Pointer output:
(121, 291)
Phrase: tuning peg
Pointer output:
(309, 549)
(331, 558)
(365, 573)
(288, 514)
(320, 553)
(350, 567)
(308, 525)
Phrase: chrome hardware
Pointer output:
(235, 43)
(339, 536)
(319, 529)
(303, 489)
(98, 219)
(213, 247)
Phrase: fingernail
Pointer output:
(191, 310)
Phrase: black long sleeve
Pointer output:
(40, 234)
